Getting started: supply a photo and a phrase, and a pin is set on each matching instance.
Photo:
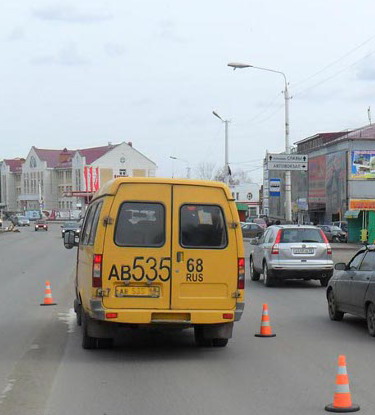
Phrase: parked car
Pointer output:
(352, 288)
(21, 221)
(291, 252)
(343, 225)
(334, 233)
(251, 230)
(41, 224)
(71, 226)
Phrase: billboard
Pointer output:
(317, 182)
(336, 182)
(363, 165)
(92, 179)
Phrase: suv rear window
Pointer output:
(301, 235)
(140, 224)
(202, 226)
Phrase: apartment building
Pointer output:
(64, 180)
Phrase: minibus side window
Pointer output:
(140, 224)
(95, 224)
(202, 226)
(88, 224)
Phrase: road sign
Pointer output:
(275, 185)
(295, 158)
(286, 165)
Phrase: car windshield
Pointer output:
(301, 235)
(336, 228)
(70, 225)
(22, 218)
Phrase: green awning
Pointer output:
(242, 206)
(352, 214)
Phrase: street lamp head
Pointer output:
(217, 115)
(173, 158)
(238, 65)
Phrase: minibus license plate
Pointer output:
(303, 251)
(138, 291)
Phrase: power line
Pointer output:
(334, 75)
(335, 61)
(268, 106)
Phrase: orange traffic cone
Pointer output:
(48, 300)
(342, 400)
(265, 325)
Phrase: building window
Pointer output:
(122, 172)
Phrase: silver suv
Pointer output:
(291, 252)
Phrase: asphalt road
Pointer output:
(45, 371)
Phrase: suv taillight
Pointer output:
(241, 274)
(97, 270)
(275, 247)
(329, 249)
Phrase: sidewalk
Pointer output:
(348, 246)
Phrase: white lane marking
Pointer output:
(69, 318)
(7, 389)
(34, 347)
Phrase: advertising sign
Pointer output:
(317, 182)
(336, 182)
(92, 179)
(362, 204)
(363, 165)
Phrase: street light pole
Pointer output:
(188, 168)
(288, 185)
(226, 157)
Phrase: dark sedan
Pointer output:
(71, 226)
(251, 230)
(352, 288)
(334, 233)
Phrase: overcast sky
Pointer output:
(81, 73)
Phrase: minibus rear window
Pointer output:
(202, 226)
(140, 224)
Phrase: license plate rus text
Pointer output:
(303, 251)
(138, 291)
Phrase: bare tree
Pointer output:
(235, 178)
(206, 170)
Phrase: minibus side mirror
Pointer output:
(70, 239)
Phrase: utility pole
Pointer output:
(226, 156)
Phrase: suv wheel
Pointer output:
(267, 277)
(370, 317)
(334, 313)
(254, 275)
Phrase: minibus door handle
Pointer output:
(180, 256)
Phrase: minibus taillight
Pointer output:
(241, 274)
(97, 271)
(329, 249)
(275, 247)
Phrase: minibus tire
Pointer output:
(200, 340)
(219, 342)
(88, 342)
(79, 315)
